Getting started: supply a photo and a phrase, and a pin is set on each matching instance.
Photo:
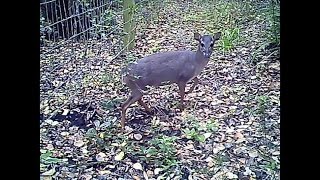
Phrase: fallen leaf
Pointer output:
(145, 175)
(50, 172)
(119, 157)
(207, 135)
(253, 154)
(210, 164)
(111, 166)
(84, 150)
(65, 112)
(100, 157)
(86, 176)
(128, 129)
(123, 144)
(54, 123)
(243, 126)
(47, 178)
(51, 122)
(217, 148)
(242, 160)
(229, 130)
(114, 144)
(137, 166)
(276, 153)
(96, 123)
(101, 135)
(247, 172)
(213, 103)
(138, 137)
(104, 172)
(209, 160)
(78, 143)
(222, 137)
(157, 171)
(50, 147)
(189, 146)
(149, 173)
(230, 175)
(64, 133)
(238, 135)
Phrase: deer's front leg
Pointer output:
(195, 82)
(182, 86)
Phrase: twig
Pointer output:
(271, 54)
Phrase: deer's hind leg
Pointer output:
(135, 95)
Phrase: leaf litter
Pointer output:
(232, 116)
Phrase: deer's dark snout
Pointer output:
(207, 54)
(206, 49)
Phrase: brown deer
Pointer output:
(166, 68)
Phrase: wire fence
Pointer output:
(78, 40)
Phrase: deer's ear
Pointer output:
(197, 36)
(217, 36)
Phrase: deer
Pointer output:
(164, 68)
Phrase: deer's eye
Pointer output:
(202, 45)
(211, 45)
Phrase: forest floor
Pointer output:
(230, 128)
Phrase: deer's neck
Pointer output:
(200, 58)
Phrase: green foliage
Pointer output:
(47, 158)
(221, 16)
(229, 39)
(160, 151)
(112, 103)
(196, 132)
(130, 58)
(164, 144)
(109, 17)
(220, 159)
(263, 102)
(272, 165)
(212, 126)
(272, 12)
(91, 133)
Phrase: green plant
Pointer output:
(229, 38)
(47, 158)
(129, 58)
(164, 145)
(160, 151)
(109, 17)
(271, 165)
(220, 159)
(194, 134)
(272, 12)
(212, 126)
(196, 131)
(263, 102)
(111, 103)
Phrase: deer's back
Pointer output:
(165, 67)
